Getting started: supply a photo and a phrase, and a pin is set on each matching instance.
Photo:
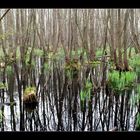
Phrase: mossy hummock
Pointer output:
(29, 97)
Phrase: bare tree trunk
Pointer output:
(134, 36)
(126, 67)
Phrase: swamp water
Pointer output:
(61, 109)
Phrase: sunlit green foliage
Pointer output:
(79, 50)
(99, 53)
(136, 97)
(9, 70)
(46, 66)
(135, 62)
(95, 63)
(85, 93)
(30, 90)
(138, 121)
(27, 56)
(30, 97)
(38, 52)
(27, 59)
(60, 54)
(3, 86)
(120, 81)
(18, 53)
(8, 33)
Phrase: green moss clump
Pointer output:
(3, 86)
(30, 90)
(29, 96)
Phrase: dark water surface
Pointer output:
(61, 109)
(46, 117)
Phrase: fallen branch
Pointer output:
(4, 14)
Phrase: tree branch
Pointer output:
(4, 14)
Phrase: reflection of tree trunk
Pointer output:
(90, 113)
(11, 82)
(3, 95)
(57, 98)
(116, 111)
(30, 122)
(90, 108)
(138, 126)
(61, 97)
(20, 98)
(109, 112)
(75, 85)
(44, 115)
(127, 110)
(69, 107)
(2, 121)
(84, 115)
(42, 83)
(122, 112)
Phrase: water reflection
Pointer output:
(47, 116)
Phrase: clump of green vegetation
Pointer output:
(138, 121)
(30, 95)
(38, 52)
(30, 63)
(59, 55)
(119, 81)
(47, 67)
(136, 98)
(85, 94)
(95, 63)
(30, 90)
(135, 63)
(99, 52)
(9, 70)
(3, 86)
(72, 68)
(56, 55)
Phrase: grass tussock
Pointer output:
(30, 95)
